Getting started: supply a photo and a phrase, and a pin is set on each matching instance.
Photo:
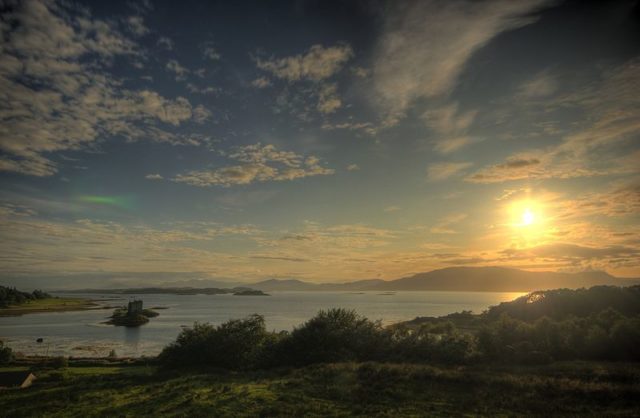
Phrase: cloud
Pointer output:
(444, 225)
(577, 253)
(519, 163)
(317, 64)
(57, 93)
(328, 101)
(210, 53)
(542, 85)
(426, 44)
(180, 71)
(271, 257)
(619, 199)
(312, 69)
(165, 43)
(153, 177)
(366, 127)
(450, 125)
(137, 26)
(443, 171)
(84, 246)
(261, 82)
(258, 163)
(449, 145)
(514, 168)
(201, 90)
(607, 125)
(201, 114)
(360, 72)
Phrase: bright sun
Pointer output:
(525, 214)
(528, 217)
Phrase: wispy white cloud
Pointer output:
(609, 123)
(257, 163)
(201, 90)
(180, 71)
(317, 64)
(201, 114)
(541, 85)
(165, 43)
(426, 44)
(366, 127)
(450, 126)
(261, 82)
(446, 225)
(328, 99)
(443, 171)
(137, 26)
(209, 52)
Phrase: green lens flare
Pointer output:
(124, 202)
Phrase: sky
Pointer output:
(325, 141)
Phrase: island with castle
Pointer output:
(133, 315)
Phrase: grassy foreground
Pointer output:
(343, 389)
(48, 305)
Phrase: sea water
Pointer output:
(84, 334)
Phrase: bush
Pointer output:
(11, 296)
(335, 335)
(236, 344)
(6, 354)
(433, 344)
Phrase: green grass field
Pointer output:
(346, 389)
(48, 305)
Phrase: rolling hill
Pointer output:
(483, 279)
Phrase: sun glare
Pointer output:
(525, 214)
(528, 217)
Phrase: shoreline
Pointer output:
(51, 305)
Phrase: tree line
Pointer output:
(11, 296)
(601, 323)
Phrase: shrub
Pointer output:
(335, 335)
(236, 344)
(6, 354)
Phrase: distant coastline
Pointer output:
(451, 279)
(49, 305)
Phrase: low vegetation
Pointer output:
(122, 317)
(549, 353)
(10, 296)
(250, 292)
(516, 332)
(332, 390)
(6, 354)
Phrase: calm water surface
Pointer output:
(83, 334)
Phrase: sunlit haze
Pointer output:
(320, 141)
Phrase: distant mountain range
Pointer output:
(483, 279)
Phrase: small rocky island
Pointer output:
(133, 316)
(250, 292)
